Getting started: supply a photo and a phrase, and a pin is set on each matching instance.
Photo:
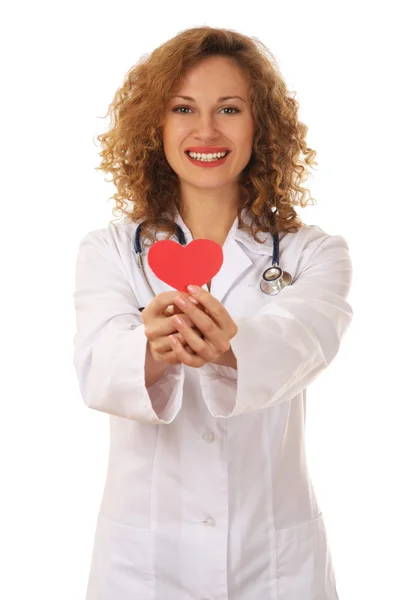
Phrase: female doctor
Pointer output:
(207, 494)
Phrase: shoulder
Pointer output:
(115, 236)
(309, 237)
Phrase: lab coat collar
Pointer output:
(239, 235)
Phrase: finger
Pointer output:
(191, 360)
(188, 348)
(216, 310)
(161, 327)
(172, 309)
(182, 341)
(175, 310)
(169, 358)
(202, 347)
(159, 304)
(217, 337)
(166, 353)
(162, 344)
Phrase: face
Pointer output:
(207, 123)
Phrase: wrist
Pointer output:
(154, 369)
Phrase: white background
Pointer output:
(61, 64)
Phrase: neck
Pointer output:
(209, 216)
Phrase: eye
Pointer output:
(178, 108)
(231, 108)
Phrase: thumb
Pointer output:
(172, 309)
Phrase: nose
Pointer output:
(206, 127)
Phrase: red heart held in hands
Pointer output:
(180, 266)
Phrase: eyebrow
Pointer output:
(222, 99)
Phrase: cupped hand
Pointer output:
(157, 318)
(214, 323)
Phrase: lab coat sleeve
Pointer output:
(110, 343)
(291, 339)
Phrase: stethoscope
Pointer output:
(273, 280)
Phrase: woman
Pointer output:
(208, 494)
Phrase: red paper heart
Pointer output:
(179, 266)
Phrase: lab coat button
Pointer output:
(209, 438)
(210, 522)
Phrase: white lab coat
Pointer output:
(207, 494)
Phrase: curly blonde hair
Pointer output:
(132, 149)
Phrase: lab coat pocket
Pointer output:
(121, 559)
(304, 565)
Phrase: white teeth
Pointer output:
(207, 157)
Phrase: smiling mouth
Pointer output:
(212, 159)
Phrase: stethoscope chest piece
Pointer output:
(274, 279)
